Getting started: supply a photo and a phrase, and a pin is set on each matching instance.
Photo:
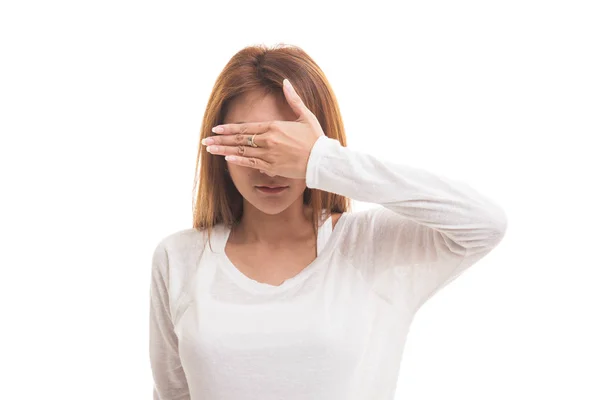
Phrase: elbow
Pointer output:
(499, 226)
(488, 234)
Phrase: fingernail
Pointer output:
(207, 141)
(218, 129)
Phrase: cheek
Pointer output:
(298, 187)
(238, 172)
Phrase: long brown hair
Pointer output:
(261, 68)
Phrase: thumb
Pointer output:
(294, 100)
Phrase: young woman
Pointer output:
(278, 291)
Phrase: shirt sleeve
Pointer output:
(169, 378)
(429, 229)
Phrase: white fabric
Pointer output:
(337, 329)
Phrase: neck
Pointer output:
(291, 225)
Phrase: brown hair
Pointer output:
(258, 67)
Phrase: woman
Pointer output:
(283, 293)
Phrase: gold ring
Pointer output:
(252, 141)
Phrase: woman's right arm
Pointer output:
(169, 378)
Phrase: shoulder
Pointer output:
(176, 257)
(178, 251)
(370, 229)
(363, 219)
(183, 240)
(175, 264)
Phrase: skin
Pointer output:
(278, 225)
(268, 220)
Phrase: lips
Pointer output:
(271, 190)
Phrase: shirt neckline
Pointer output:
(252, 285)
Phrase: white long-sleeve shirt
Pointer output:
(336, 330)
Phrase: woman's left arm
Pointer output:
(429, 230)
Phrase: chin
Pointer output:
(272, 210)
(271, 207)
(275, 204)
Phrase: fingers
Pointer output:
(250, 162)
(233, 140)
(246, 128)
(243, 151)
(243, 155)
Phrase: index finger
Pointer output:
(243, 128)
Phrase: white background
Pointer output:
(101, 105)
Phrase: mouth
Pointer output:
(271, 189)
